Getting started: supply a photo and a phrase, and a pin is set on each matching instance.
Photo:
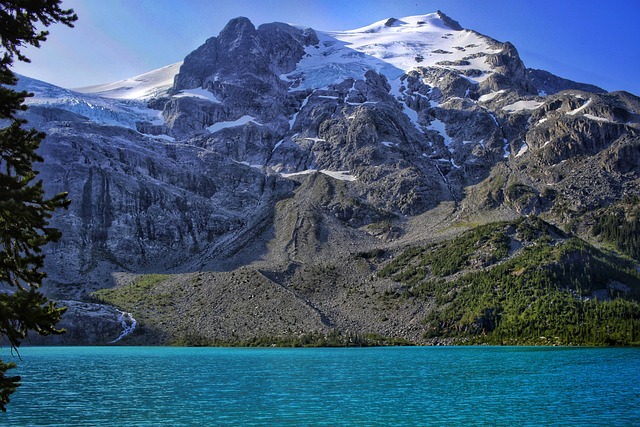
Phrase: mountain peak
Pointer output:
(453, 24)
(239, 24)
(236, 33)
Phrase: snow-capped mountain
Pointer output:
(285, 151)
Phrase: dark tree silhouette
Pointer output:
(24, 209)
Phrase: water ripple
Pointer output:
(144, 386)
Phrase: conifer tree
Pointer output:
(24, 208)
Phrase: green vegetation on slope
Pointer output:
(551, 289)
(620, 225)
(141, 291)
(146, 297)
(333, 338)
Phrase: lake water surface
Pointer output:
(417, 386)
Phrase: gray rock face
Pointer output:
(578, 124)
(138, 203)
(86, 323)
(549, 84)
(510, 73)
(241, 68)
(454, 25)
(578, 153)
(242, 50)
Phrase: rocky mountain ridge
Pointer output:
(281, 150)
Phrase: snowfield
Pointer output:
(390, 47)
(339, 175)
(522, 105)
(142, 87)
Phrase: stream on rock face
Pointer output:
(128, 324)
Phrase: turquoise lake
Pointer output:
(415, 386)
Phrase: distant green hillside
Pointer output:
(522, 282)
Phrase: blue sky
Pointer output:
(588, 41)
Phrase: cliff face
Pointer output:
(138, 203)
(279, 149)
